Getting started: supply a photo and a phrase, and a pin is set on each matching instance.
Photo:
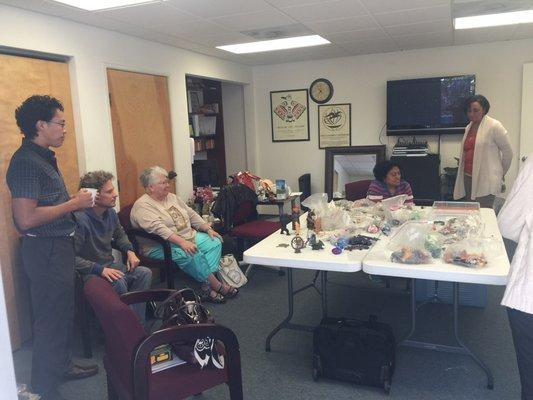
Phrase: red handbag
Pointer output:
(245, 178)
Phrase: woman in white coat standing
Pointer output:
(516, 223)
(486, 155)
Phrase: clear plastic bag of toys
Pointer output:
(456, 229)
(408, 245)
(331, 216)
(316, 202)
(334, 217)
(470, 253)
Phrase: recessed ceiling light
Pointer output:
(277, 44)
(95, 5)
(481, 21)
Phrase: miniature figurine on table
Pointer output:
(315, 245)
(311, 216)
(284, 220)
(295, 217)
(297, 243)
(318, 225)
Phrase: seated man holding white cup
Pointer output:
(96, 228)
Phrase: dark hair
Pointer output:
(95, 179)
(33, 109)
(482, 100)
(382, 169)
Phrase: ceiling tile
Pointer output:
(292, 55)
(343, 24)
(422, 27)
(325, 10)
(290, 3)
(414, 16)
(355, 35)
(382, 45)
(222, 39)
(149, 15)
(218, 8)
(39, 6)
(191, 29)
(427, 40)
(385, 6)
(260, 20)
(480, 35)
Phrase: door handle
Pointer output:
(524, 158)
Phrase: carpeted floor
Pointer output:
(285, 372)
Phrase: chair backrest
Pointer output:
(122, 329)
(304, 186)
(356, 190)
(244, 213)
(124, 216)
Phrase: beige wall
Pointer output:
(362, 80)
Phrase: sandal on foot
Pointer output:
(207, 296)
(230, 293)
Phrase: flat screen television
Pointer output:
(428, 106)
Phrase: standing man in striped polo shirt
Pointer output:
(42, 213)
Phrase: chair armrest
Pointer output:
(123, 253)
(144, 296)
(146, 235)
(141, 363)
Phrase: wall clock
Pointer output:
(321, 91)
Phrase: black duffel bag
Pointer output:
(355, 351)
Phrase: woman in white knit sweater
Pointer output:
(516, 223)
(486, 155)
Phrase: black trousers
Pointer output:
(49, 263)
(522, 330)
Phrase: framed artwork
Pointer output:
(334, 125)
(289, 112)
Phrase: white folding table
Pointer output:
(267, 252)
(378, 262)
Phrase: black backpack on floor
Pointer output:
(361, 352)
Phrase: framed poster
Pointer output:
(334, 125)
(289, 112)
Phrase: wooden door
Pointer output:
(21, 77)
(140, 113)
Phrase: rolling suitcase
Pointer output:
(361, 352)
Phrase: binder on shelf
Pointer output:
(195, 99)
(196, 125)
(207, 124)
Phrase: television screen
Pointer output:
(428, 106)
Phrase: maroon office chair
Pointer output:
(356, 190)
(166, 266)
(128, 347)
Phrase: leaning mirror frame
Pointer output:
(379, 151)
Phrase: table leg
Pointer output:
(490, 379)
(460, 349)
(324, 294)
(280, 209)
(286, 324)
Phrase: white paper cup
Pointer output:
(93, 193)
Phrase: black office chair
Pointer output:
(304, 186)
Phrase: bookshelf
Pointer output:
(206, 126)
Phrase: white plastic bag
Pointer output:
(230, 272)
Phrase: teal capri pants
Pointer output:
(202, 263)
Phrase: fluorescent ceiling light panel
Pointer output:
(277, 44)
(95, 5)
(481, 21)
